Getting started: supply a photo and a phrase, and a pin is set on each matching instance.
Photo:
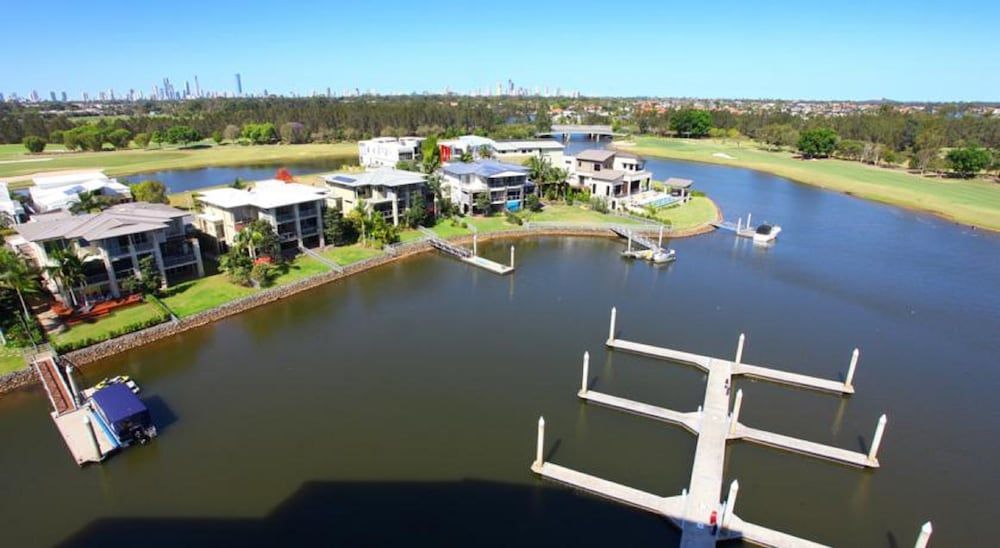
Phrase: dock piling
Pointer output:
(512, 257)
(659, 241)
(748, 221)
(727, 516)
(925, 536)
(475, 245)
(537, 465)
(586, 374)
(739, 349)
(877, 440)
(736, 411)
(92, 436)
(850, 370)
(74, 389)
(630, 241)
(611, 331)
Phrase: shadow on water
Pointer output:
(163, 416)
(466, 512)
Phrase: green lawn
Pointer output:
(495, 223)
(562, 213)
(975, 202)
(102, 328)
(302, 267)
(17, 164)
(445, 229)
(195, 296)
(697, 212)
(11, 359)
(347, 254)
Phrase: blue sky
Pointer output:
(916, 50)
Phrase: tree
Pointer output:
(34, 144)
(18, 276)
(543, 121)
(237, 265)
(284, 175)
(258, 238)
(263, 273)
(217, 137)
(89, 202)
(485, 152)
(336, 229)
(360, 220)
(418, 214)
(141, 140)
(532, 203)
(431, 154)
(849, 149)
(260, 134)
(483, 204)
(968, 161)
(119, 138)
(150, 191)
(818, 142)
(927, 145)
(691, 123)
(294, 133)
(382, 231)
(149, 281)
(231, 133)
(466, 157)
(181, 135)
(68, 271)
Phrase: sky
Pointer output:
(917, 50)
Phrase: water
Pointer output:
(181, 180)
(400, 406)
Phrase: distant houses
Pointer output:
(452, 149)
(388, 151)
(62, 190)
(294, 210)
(505, 185)
(388, 191)
(11, 210)
(112, 243)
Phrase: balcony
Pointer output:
(170, 261)
(95, 279)
(144, 246)
(115, 251)
(287, 236)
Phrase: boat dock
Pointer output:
(469, 256)
(698, 512)
(742, 230)
(86, 437)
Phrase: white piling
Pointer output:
(586, 374)
(736, 411)
(512, 257)
(475, 245)
(739, 224)
(850, 370)
(72, 384)
(659, 241)
(537, 465)
(734, 489)
(877, 440)
(748, 221)
(739, 349)
(630, 240)
(611, 331)
(92, 436)
(925, 536)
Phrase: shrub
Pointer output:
(264, 274)
(598, 205)
(83, 343)
(514, 218)
(34, 144)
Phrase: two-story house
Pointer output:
(506, 184)
(388, 151)
(294, 210)
(610, 175)
(61, 190)
(385, 190)
(112, 244)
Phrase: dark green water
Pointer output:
(400, 406)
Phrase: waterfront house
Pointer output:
(385, 190)
(294, 210)
(61, 190)
(452, 149)
(112, 243)
(11, 210)
(388, 151)
(609, 175)
(506, 184)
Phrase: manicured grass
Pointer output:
(497, 222)
(127, 162)
(697, 212)
(562, 213)
(975, 202)
(347, 254)
(445, 229)
(11, 359)
(302, 267)
(103, 327)
(409, 235)
(189, 298)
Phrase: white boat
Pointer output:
(766, 233)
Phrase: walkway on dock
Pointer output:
(467, 256)
(60, 395)
(741, 229)
(699, 507)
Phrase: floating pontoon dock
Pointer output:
(741, 230)
(467, 256)
(84, 432)
(697, 511)
(655, 248)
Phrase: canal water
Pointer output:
(182, 180)
(400, 406)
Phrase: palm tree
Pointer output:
(68, 270)
(19, 276)
(89, 202)
(251, 238)
(466, 157)
(538, 170)
(485, 152)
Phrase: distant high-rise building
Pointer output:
(52, 95)
(34, 96)
(111, 94)
(510, 87)
(239, 85)
(328, 92)
(187, 88)
(86, 97)
(1, 98)
(63, 97)
(197, 87)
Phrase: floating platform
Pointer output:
(469, 256)
(86, 439)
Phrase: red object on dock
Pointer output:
(55, 385)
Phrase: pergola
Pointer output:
(679, 187)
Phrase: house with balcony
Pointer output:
(506, 184)
(385, 190)
(388, 151)
(294, 210)
(610, 175)
(452, 149)
(60, 191)
(112, 244)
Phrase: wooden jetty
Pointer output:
(698, 512)
(83, 432)
(467, 256)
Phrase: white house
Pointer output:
(61, 191)
(507, 184)
(452, 149)
(386, 190)
(112, 244)
(612, 176)
(294, 210)
(388, 151)
(11, 210)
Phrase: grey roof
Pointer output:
(386, 176)
(604, 175)
(483, 168)
(596, 155)
(119, 220)
(675, 182)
